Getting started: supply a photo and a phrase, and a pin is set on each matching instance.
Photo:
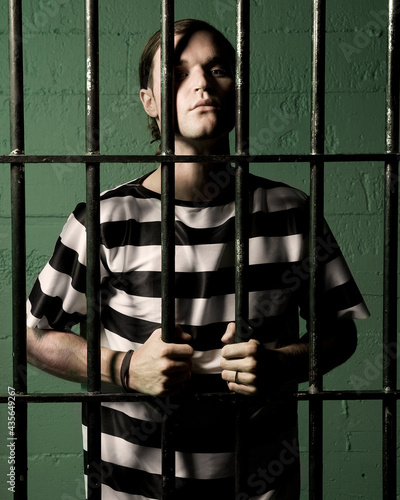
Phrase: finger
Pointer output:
(182, 351)
(240, 350)
(176, 351)
(173, 366)
(182, 335)
(239, 378)
(240, 382)
(229, 334)
(228, 375)
(232, 351)
(232, 365)
(248, 364)
(245, 390)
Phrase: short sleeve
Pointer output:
(341, 297)
(58, 298)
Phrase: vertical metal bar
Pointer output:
(241, 217)
(389, 455)
(93, 249)
(167, 226)
(19, 439)
(242, 168)
(167, 172)
(316, 230)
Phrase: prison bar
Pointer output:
(167, 172)
(70, 397)
(390, 353)
(167, 228)
(93, 408)
(389, 395)
(316, 231)
(339, 158)
(242, 91)
(242, 168)
(19, 437)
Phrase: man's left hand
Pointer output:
(248, 367)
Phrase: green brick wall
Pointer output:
(54, 80)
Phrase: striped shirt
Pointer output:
(204, 304)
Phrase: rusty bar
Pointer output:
(17, 436)
(93, 408)
(391, 221)
(316, 230)
(242, 90)
(167, 227)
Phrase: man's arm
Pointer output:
(156, 368)
(260, 369)
(339, 343)
(65, 355)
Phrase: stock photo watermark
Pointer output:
(373, 28)
(46, 11)
(224, 7)
(94, 480)
(278, 121)
(122, 107)
(372, 370)
(264, 478)
(138, 434)
(11, 438)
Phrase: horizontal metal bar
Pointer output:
(228, 397)
(290, 158)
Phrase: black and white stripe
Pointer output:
(205, 303)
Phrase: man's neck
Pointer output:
(194, 181)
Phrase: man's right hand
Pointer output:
(159, 368)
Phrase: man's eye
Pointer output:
(219, 72)
(180, 75)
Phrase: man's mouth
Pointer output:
(205, 103)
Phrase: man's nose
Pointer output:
(200, 81)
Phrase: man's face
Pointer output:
(204, 90)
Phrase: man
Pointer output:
(272, 359)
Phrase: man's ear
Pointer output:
(149, 103)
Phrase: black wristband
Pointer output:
(125, 368)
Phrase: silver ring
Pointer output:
(236, 377)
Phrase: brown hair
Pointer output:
(186, 27)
